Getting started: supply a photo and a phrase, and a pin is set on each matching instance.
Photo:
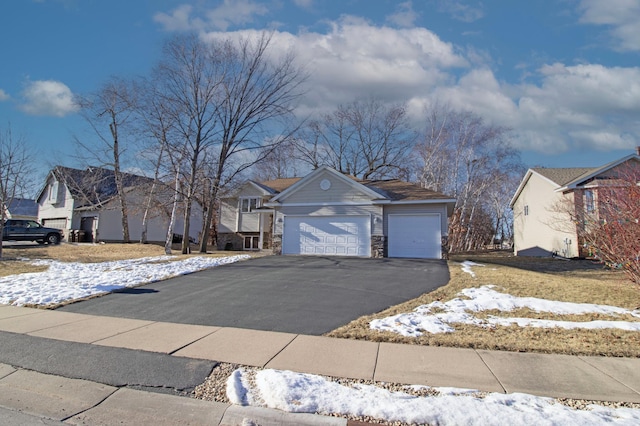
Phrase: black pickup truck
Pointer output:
(30, 230)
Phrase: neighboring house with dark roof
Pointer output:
(542, 203)
(330, 214)
(86, 200)
(22, 208)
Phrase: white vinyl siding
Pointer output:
(539, 227)
(338, 192)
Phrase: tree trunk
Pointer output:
(206, 227)
(119, 186)
(172, 220)
(143, 235)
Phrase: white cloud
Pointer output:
(304, 4)
(227, 14)
(355, 59)
(586, 106)
(235, 12)
(4, 96)
(622, 16)
(461, 12)
(405, 16)
(48, 97)
(179, 19)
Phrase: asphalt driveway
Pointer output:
(304, 295)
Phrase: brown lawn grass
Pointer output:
(572, 281)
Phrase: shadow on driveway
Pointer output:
(294, 294)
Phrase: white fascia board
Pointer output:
(520, 188)
(440, 201)
(46, 182)
(574, 184)
(256, 186)
(524, 182)
(343, 203)
(302, 182)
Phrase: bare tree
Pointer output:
(15, 169)
(279, 162)
(154, 124)
(257, 97)
(189, 78)
(108, 112)
(463, 157)
(607, 220)
(614, 235)
(366, 139)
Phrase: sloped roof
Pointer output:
(562, 176)
(95, 185)
(23, 207)
(278, 185)
(570, 178)
(391, 189)
(397, 190)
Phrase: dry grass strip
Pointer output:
(580, 281)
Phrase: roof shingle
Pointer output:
(563, 176)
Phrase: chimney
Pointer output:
(638, 150)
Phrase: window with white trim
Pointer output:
(53, 192)
(589, 201)
(249, 204)
(252, 242)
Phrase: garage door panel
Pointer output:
(327, 235)
(415, 236)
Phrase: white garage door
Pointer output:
(414, 235)
(327, 235)
(58, 223)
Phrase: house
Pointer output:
(547, 200)
(22, 208)
(85, 205)
(328, 213)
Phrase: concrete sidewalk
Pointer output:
(86, 402)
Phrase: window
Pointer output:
(53, 192)
(526, 210)
(252, 242)
(247, 205)
(589, 201)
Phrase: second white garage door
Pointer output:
(415, 236)
(327, 235)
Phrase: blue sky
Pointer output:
(564, 75)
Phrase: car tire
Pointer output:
(53, 239)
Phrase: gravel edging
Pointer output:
(214, 388)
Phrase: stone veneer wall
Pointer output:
(236, 241)
(378, 246)
(276, 242)
(445, 248)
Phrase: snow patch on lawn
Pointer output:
(65, 281)
(437, 317)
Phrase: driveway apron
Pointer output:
(293, 294)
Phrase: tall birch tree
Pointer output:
(108, 112)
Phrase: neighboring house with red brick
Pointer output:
(547, 200)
